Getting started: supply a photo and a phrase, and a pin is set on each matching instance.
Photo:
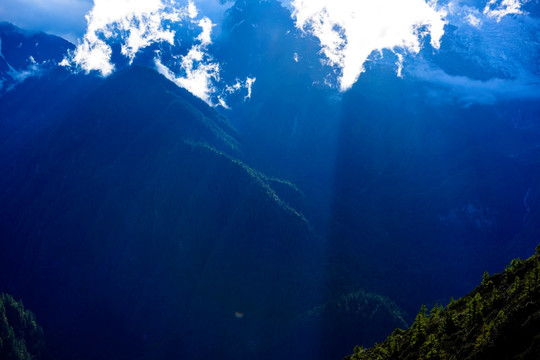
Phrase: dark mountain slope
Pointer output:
(133, 230)
(403, 188)
(436, 193)
(500, 319)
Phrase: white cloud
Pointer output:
(349, 31)
(205, 36)
(249, 84)
(199, 71)
(239, 85)
(93, 54)
(137, 23)
(214, 9)
(458, 14)
(500, 8)
(399, 64)
(473, 20)
(222, 103)
(192, 10)
(231, 89)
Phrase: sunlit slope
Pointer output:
(21, 338)
(500, 319)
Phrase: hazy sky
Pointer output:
(66, 18)
(59, 17)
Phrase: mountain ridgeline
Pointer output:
(500, 319)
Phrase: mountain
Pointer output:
(24, 54)
(497, 320)
(138, 222)
(114, 226)
(132, 222)
(404, 181)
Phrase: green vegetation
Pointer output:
(500, 319)
(21, 338)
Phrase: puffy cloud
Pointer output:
(500, 8)
(473, 20)
(247, 84)
(196, 71)
(205, 36)
(199, 73)
(399, 64)
(458, 13)
(192, 10)
(138, 23)
(349, 31)
(214, 9)
(93, 54)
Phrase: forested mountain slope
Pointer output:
(500, 319)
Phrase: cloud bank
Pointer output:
(466, 91)
(349, 31)
(488, 65)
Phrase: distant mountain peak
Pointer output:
(25, 54)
